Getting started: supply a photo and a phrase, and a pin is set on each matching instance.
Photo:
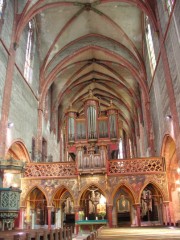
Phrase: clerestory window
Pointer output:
(2, 3)
(28, 67)
(150, 46)
(120, 153)
(169, 5)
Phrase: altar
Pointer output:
(90, 225)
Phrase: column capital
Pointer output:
(76, 208)
(110, 206)
(50, 207)
(136, 205)
(22, 207)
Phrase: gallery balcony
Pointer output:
(95, 165)
(136, 166)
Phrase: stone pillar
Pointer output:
(109, 215)
(76, 211)
(49, 208)
(58, 218)
(160, 213)
(21, 219)
(167, 213)
(38, 155)
(138, 214)
(32, 218)
(114, 217)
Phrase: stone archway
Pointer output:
(151, 203)
(63, 203)
(18, 151)
(93, 204)
(36, 213)
(173, 178)
(123, 207)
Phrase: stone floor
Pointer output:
(143, 233)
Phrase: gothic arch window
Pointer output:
(2, 10)
(150, 46)
(2, 6)
(120, 154)
(28, 66)
(169, 5)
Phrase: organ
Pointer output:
(92, 136)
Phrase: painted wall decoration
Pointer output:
(76, 186)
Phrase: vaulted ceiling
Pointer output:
(90, 44)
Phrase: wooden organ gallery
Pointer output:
(92, 135)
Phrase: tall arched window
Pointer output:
(169, 5)
(2, 4)
(121, 152)
(2, 10)
(150, 46)
(28, 70)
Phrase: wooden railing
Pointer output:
(95, 165)
(60, 169)
(136, 166)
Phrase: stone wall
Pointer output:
(159, 100)
(24, 97)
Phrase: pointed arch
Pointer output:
(36, 186)
(17, 150)
(168, 151)
(59, 191)
(128, 189)
(85, 188)
(164, 193)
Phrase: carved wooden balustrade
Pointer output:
(95, 164)
(60, 169)
(136, 165)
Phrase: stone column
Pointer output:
(58, 218)
(38, 155)
(76, 211)
(49, 208)
(32, 218)
(114, 217)
(21, 219)
(109, 215)
(138, 214)
(167, 213)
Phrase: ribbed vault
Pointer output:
(92, 44)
